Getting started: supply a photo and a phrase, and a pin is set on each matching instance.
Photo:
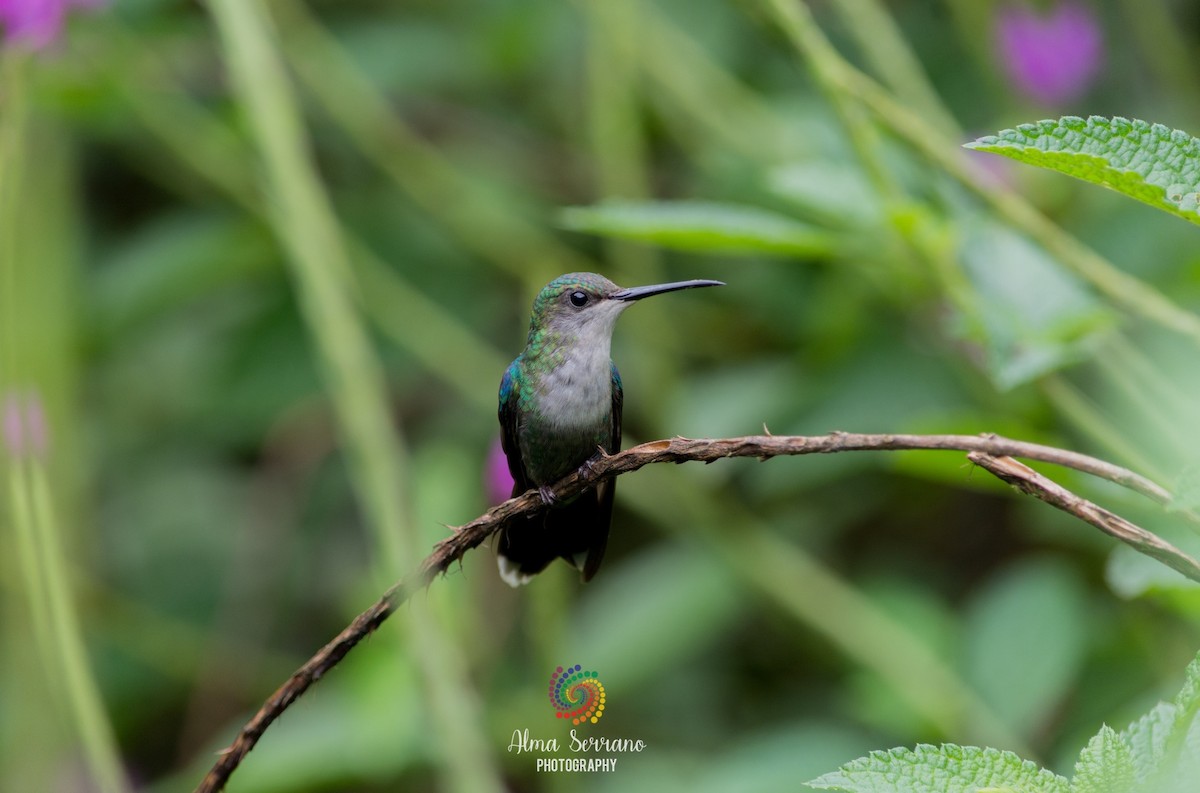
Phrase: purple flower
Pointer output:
(37, 23)
(23, 425)
(497, 481)
(1051, 57)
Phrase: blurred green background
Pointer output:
(269, 378)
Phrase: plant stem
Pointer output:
(303, 220)
(1124, 290)
(305, 224)
(1084, 414)
(824, 63)
(440, 188)
(57, 630)
(32, 308)
(1165, 51)
(1166, 394)
(82, 694)
(400, 311)
(817, 598)
(1164, 423)
(885, 48)
(12, 158)
(613, 124)
(710, 97)
(920, 678)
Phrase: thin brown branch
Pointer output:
(1031, 483)
(985, 451)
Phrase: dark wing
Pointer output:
(523, 549)
(618, 402)
(601, 518)
(510, 389)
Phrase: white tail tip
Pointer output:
(512, 574)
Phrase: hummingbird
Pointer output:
(560, 407)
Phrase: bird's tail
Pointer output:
(576, 532)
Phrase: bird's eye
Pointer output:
(579, 299)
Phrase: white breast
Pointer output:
(578, 392)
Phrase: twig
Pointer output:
(988, 451)
(1031, 483)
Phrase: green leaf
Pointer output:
(1105, 765)
(1165, 743)
(1187, 703)
(941, 769)
(176, 258)
(1025, 635)
(1152, 163)
(651, 613)
(700, 226)
(1131, 574)
(874, 699)
(1188, 698)
(1147, 739)
(828, 189)
(1030, 316)
(1187, 489)
(342, 737)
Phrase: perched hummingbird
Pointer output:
(560, 403)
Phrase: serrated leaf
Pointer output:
(941, 769)
(1188, 698)
(1105, 765)
(1150, 162)
(701, 227)
(1165, 743)
(1147, 738)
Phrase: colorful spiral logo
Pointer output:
(576, 695)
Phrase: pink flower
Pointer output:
(497, 481)
(1050, 57)
(23, 425)
(37, 23)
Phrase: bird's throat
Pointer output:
(574, 387)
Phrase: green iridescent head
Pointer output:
(573, 303)
(586, 304)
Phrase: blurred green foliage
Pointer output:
(1157, 752)
(756, 625)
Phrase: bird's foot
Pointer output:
(547, 494)
(588, 468)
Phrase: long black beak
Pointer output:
(638, 292)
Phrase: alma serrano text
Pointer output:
(521, 742)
